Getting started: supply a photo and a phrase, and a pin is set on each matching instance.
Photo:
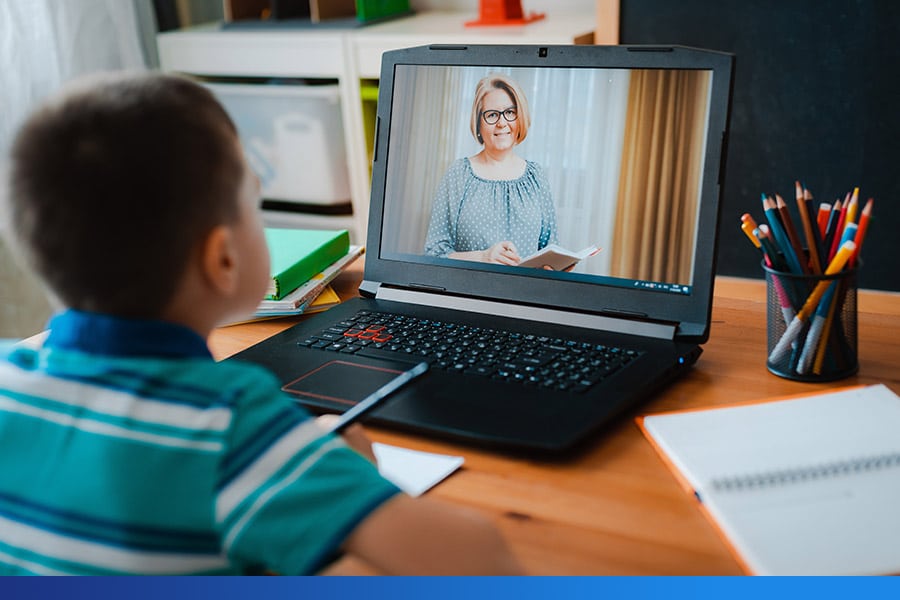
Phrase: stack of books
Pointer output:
(304, 262)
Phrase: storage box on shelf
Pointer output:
(352, 58)
(293, 136)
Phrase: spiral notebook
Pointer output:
(801, 486)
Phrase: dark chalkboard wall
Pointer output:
(816, 98)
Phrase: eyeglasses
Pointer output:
(492, 116)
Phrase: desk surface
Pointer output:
(615, 509)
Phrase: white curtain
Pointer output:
(576, 134)
(43, 44)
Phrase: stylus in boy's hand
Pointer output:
(375, 398)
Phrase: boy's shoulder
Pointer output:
(229, 381)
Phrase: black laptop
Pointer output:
(624, 151)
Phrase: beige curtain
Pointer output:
(659, 186)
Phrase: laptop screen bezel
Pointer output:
(690, 313)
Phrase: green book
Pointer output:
(299, 254)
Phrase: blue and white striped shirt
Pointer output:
(125, 449)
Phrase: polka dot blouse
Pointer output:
(470, 213)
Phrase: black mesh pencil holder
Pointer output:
(811, 340)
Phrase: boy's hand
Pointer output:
(354, 435)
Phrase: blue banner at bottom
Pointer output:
(444, 588)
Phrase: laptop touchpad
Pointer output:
(340, 381)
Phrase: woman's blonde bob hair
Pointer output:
(500, 82)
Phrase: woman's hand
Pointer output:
(503, 253)
(354, 435)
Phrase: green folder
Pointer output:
(373, 10)
(299, 254)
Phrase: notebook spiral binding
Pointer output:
(803, 474)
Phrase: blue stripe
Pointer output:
(242, 456)
(74, 524)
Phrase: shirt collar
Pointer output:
(96, 333)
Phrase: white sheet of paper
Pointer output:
(412, 471)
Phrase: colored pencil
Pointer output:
(822, 218)
(805, 219)
(853, 207)
(864, 217)
(826, 334)
(791, 232)
(779, 237)
(832, 226)
(839, 227)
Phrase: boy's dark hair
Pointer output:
(113, 185)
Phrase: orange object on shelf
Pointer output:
(503, 12)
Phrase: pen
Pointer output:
(373, 399)
(756, 238)
(764, 235)
(816, 327)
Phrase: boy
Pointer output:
(126, 448)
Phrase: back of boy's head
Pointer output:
(114, 184)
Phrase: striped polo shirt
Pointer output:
(125, 449)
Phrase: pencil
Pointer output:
(791, 232)
(826, 334)
(832, 225)
(813, 247)
(853, 207)
(793, 331)
(779, 237)
(864, 217)
(839, 227)
(822, 218)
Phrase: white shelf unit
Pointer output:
(346, 55)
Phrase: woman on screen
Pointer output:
(494, 206)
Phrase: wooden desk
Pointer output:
(615, 509)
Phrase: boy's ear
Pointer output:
(219, 260)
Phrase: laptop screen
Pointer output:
(489, 165)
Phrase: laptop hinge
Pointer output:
(665, 331)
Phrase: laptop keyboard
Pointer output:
(517, 357)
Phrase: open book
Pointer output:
(800, 486)
(557, 257)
